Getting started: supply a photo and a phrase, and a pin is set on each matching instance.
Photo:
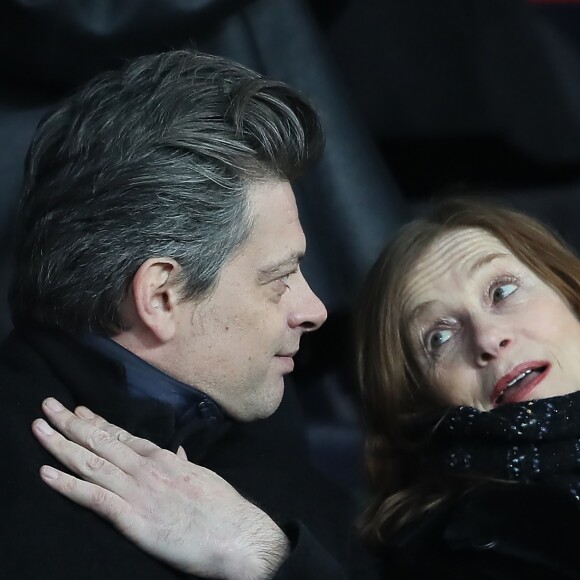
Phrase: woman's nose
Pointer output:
(491, 340)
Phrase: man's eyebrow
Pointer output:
(277, 267)
(486, 260)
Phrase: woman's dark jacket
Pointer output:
(523, 521)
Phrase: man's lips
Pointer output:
(519, 382)
(289, 354)
(288, 360)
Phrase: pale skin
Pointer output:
(234, 345)
(479, 316)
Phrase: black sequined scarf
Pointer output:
(527, 442)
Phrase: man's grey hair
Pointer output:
(153, 160)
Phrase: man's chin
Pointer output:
(262, 407)
(268, 408)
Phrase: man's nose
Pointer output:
(308, 312)
(491, 339)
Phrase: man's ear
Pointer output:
(156, 296)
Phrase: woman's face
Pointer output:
(485, 329)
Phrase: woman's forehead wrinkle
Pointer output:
(448, 256)
(443, 254)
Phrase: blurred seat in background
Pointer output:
(483, 94)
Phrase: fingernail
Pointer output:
(44, 427)
(47, 472)
(53, 405)
(84, 413)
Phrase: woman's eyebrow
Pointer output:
(486, 260)
(419, 310)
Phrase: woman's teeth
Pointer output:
(519, 378)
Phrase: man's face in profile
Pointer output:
(238, 343)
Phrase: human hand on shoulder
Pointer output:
(177, 511)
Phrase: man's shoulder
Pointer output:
(65, 540)
(25, 380)
(28, 374)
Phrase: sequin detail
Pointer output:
(524, 442)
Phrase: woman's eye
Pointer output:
(503, 291)
(439, 338)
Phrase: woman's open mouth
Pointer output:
(516, 385)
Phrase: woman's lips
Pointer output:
(518, 383)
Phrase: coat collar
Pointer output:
(100, 383)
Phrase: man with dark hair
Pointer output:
(158, 282)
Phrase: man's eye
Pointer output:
(286, 278)
(281, 284)
(438, 338)
(502, 292)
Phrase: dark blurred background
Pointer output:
(418, 97)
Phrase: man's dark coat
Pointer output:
(44, 535)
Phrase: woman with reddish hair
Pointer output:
(468, 357)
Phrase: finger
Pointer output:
(141, 446)
(91, 438)
(89, 466)
(160, 462)
(101, 501)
